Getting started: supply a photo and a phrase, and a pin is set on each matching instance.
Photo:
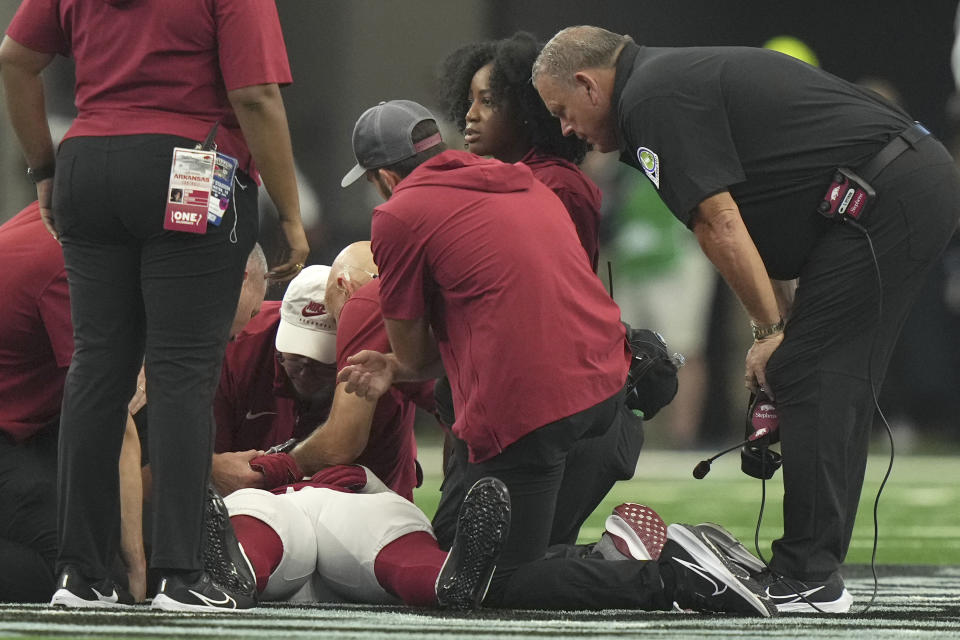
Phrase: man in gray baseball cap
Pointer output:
(455, 244)
(383, 136)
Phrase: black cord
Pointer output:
(756, 537)
(610, 277)
(876, 403)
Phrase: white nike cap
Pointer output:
(306, 328)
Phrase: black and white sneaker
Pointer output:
(732, 548)
(175, 594)
(222, 555)
(829, 596)
(75, 591)
(796, 596)
(706, 580)
(482, 528)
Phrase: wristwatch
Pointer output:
(761, 331)
(41, 173)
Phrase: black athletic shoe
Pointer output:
(75, 591)
(222, 555)
(706, 580)
(482, 528)
(732, 548)
(175, 594)
(829, 596)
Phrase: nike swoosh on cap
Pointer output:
(254, 416)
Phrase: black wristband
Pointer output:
(41, 173)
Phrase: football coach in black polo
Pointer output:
(784, 172)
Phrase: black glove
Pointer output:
(652, 379)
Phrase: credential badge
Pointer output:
(650, 163)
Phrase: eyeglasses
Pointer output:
(303, 362)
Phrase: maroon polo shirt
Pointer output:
(36, 340)
(255, 406)
(488, 255)
(172, 77)
(391, 451)
(577, 192)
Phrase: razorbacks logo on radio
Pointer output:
(313, 309)
(765, 416)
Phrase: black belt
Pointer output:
(903, 141)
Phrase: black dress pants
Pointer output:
(837, 345)
(28, 516)
(533, 469)
(592, 466)
(138, 291)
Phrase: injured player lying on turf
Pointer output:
(343, 536)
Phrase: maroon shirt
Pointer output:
(487, 254)
(391, 451)
(577, 192)
(255, 406)
(159, 67)
(36, 341)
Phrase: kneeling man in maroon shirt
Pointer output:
(482, 276)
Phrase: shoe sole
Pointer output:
(840, 605)
(484, 522)
(703, 554)
(66, 598)
(623, 524)
(221, 542)
(732, 547)
(624, 539)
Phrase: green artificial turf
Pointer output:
(919, 514)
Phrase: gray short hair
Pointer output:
(577, 48)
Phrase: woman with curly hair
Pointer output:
(485, 89)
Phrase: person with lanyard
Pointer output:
(151, 280)
(783, 172)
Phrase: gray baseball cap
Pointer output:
(384, 135)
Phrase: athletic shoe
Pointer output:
(732, 548)
(706, 580)
(75, 591)
(222, 555)
(637, 531)
(482, 528)
(796, 596)
(175, 594)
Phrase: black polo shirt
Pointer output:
(764, 126)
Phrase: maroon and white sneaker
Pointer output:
(636, 531)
